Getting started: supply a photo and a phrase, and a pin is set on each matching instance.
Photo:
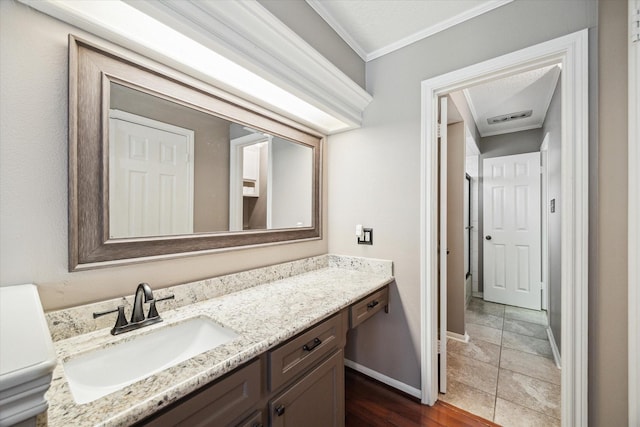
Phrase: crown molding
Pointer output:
(338, 28)
(440, 26)
(478, 10)
(248, 34)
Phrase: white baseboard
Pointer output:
(477, 294)
(415, 392)
(454, 336)
(554, 348)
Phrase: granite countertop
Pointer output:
(263, 316)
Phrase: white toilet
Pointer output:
(27, 356)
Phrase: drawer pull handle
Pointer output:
(280, 410)
(372, 304)
(311, 345)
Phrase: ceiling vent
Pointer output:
(509, 117)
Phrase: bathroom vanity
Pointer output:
(300, 382)
(286, 366)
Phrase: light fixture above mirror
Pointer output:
(238, 46)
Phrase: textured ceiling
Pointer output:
(531, 90)
(376, 27)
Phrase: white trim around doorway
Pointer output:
(571, 51)
(634, 219)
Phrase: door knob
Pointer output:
(488, 237)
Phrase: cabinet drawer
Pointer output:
(299, 353)
(219, 404)
(367, 307)
(317, 400)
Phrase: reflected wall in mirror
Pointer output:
(271, 181)
(162, 165)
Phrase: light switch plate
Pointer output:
(367, 237)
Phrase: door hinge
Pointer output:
(439, 130)
(635, 25)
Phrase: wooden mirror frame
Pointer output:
(92, 68)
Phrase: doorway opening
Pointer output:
(505, 363)
(571, 52)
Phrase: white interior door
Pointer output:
(442, 359)
(150, 177)
(511, 209)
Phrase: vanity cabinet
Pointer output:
(368, 306)
(257, 419)
(221, 403)
(302, 352)
(311, 367)
(316, 400)
(297, 383)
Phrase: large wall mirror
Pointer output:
(162, 165)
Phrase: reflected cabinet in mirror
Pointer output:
(163, 165)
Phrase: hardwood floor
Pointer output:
(372, 404)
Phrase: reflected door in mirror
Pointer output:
(150, 177)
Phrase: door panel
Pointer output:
(316, 400)
(512, 246)
(150, 177)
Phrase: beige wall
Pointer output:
(374, 172)
(455, 228)
(33, 179)
(463, 108)
(608, 375)
(552, 126)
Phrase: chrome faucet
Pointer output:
(143, 294)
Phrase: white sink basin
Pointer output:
(98, 373)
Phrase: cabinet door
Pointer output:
(255, 420)
(317, 400)
(219, 404)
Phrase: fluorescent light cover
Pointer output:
(127, 21)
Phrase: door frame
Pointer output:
(634, 221)
(571, 51)
(443, 133)
(236, 165)
(544, 221)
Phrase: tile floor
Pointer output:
(506, 372)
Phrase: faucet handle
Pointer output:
(153, 312)
(121, 321)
